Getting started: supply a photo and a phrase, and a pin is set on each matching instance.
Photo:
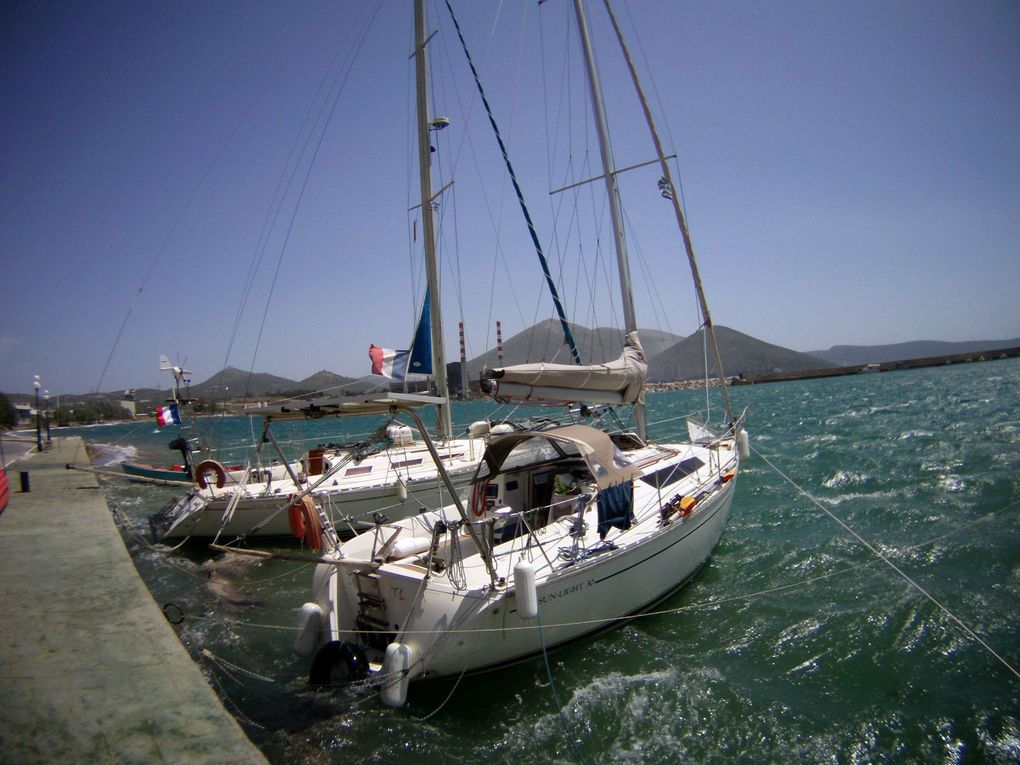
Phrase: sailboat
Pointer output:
(389, 476)
(563, 532)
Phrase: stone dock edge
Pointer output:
(90, 670)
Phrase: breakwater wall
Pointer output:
(813, 374)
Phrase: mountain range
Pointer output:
(851, 355)
(232, 383)
(670, 358)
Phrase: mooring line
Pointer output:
(449, 696)
(220, 661)
(877, 553)
(552, 686)
(633, 617)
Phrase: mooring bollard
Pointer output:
(24, 481)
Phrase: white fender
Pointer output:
(401, 490)
(478, 429)
(405, 548)
(396, 669)
(309, 626)
(526, 589)
(744, 444)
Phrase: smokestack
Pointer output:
(463, 364)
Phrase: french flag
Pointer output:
(388, 362)
(168, 415)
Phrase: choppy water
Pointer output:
(794, 644)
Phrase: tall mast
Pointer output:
(609, 171)
(568, 334)
(443, 421)
(681, 221)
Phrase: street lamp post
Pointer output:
(38, 419)
(46, 400)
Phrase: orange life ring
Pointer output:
(304, 521)
(295, 513)
(478, 497)
(210, 465)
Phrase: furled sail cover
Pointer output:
(615, 382)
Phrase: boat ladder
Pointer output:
(371, 621)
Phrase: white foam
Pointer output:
(113, 454)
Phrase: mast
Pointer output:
(568, 334)
(681, 221)
(609, 171)
(443, 422)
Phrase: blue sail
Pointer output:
(421, 349)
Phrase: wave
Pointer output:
(107, 455)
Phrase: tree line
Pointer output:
(79, 413)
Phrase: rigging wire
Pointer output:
(649, 75)
(230, 668)
(340, 83)
(466, 145)
(655, 302)
(568, 335)
(903, 575)
(706, 604)
(415, 261)
(169, 235)
(280, 192)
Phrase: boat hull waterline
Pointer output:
(446, 629)
(350, 502)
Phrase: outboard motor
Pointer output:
(181, 445)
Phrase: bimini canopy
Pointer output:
(614, 382)
(608, 464)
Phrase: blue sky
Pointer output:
(851, 174)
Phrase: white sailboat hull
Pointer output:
(350, 501)
(453, 622)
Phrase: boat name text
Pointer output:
(565, 591)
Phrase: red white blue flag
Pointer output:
(388, 362)
(168, 415)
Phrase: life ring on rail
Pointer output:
(207, 466)
(338, 663)
(304, 521)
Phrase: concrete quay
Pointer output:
(90, 670)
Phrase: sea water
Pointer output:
(876, 522)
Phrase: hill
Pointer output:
(741, 354)
(236, 383)
(670, 358)
(544, 342)
(852, 355)
(328, 383)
